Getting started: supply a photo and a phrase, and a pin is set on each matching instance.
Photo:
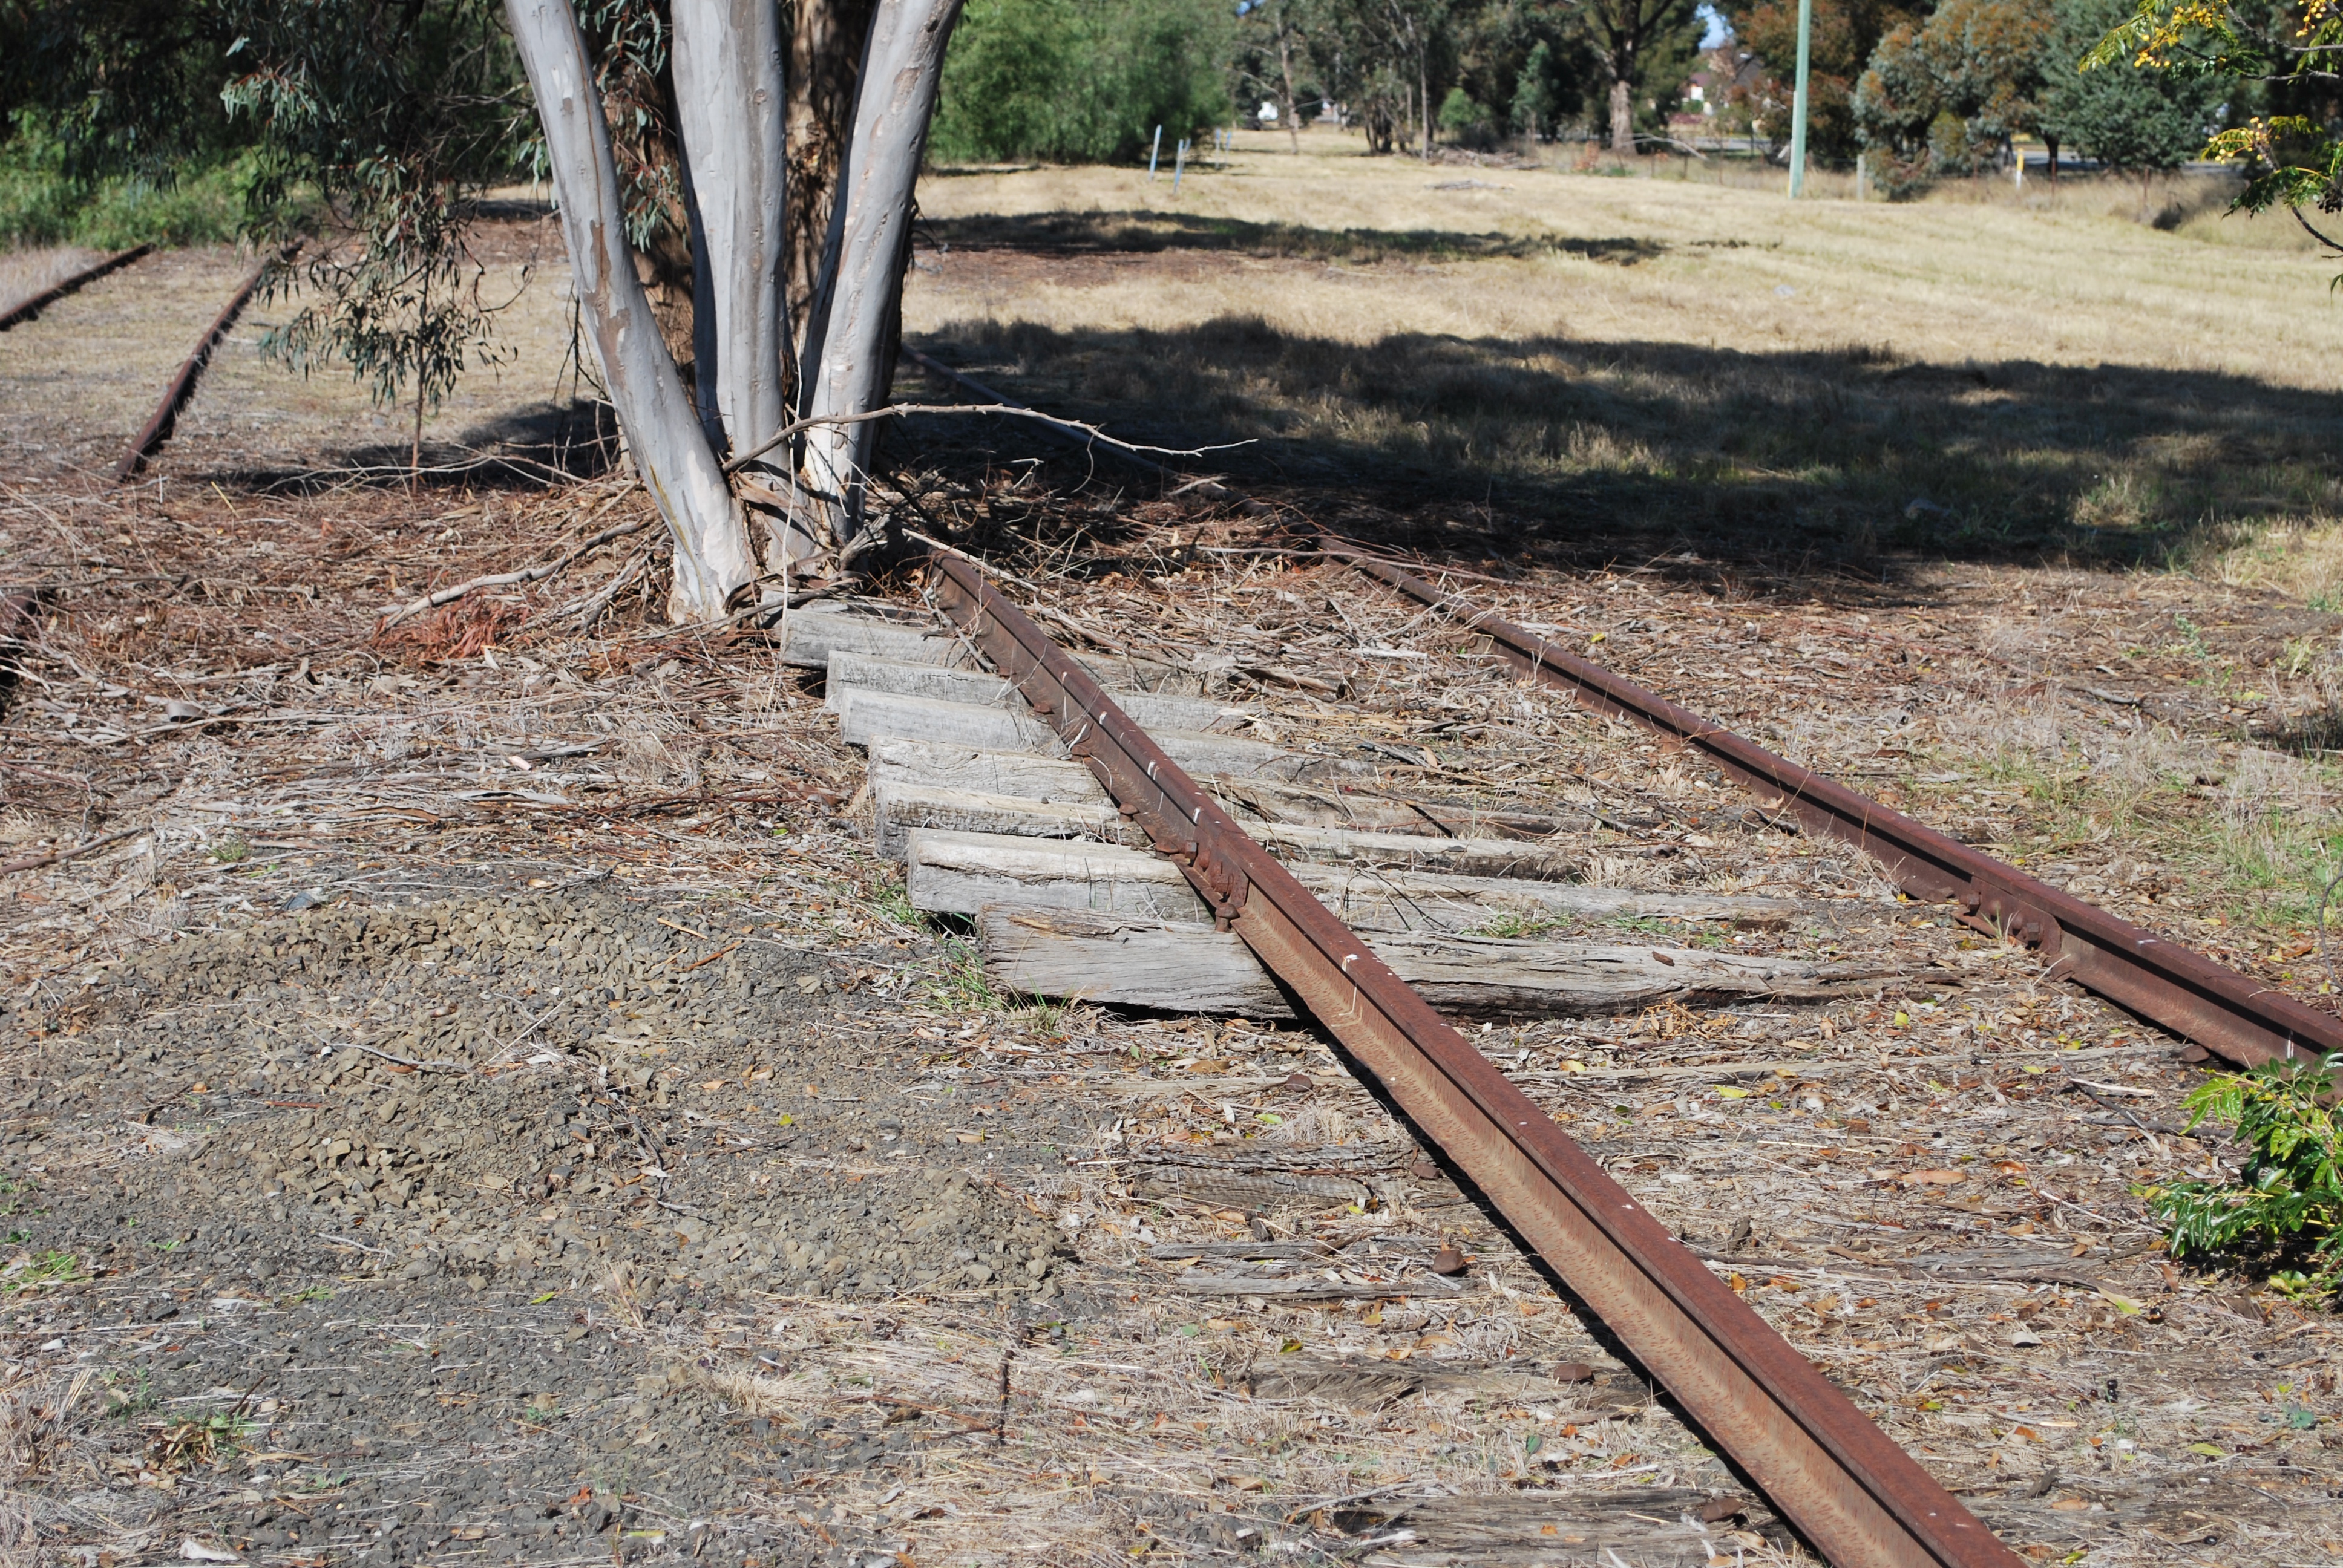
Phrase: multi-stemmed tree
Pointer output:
(737, 541)
(760, 157)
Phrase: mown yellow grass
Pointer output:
(2063, 281)
(1980, 373)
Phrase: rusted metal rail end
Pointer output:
(1826, 1468)
(182, 385)
(2224, 1012)
(25, 309)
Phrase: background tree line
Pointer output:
(133, 119)
(1091, 78)
(1930, 88)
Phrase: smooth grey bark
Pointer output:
(711, 547)
(846, 352)
(732, 111)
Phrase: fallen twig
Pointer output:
(409, 1062)
(702, 963)
(534, 1025)
(45, 773)
(588, 608)
(526, 574)
(32, 862)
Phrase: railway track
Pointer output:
(160, 425)
(25, 310)
(957, 723)
(2219, 1012)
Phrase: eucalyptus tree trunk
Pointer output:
(682, 476)
(848, 356)
(1423, 91)
(732, 106)
(1285, 78)
(826, 40)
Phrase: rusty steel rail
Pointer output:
(1853, 1493)
(2225, 1013)
(24, 310)
(165, 419)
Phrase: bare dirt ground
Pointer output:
(483, 1098)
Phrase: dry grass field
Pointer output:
(1629, 362)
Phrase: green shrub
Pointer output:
(2286, 1208)
(1080, 81)
(44, 202)
(1464, 121)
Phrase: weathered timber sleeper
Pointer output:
(901, 806)
(809, 636)
(851, 671)
(914, 763)
(867, 716)
(1184, 966)
(960, 873)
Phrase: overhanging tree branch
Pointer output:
(1089, 432)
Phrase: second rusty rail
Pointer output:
(25, 310)
(165, 418)
(2227, 1014)
(1823, 1464)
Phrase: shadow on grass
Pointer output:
(523, 449)
(1123, 232)
(1799, 462)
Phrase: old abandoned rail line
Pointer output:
(182, 387)
(1823, 1464)
(2222, 1011)
(26, 309)
(2219, 1011)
